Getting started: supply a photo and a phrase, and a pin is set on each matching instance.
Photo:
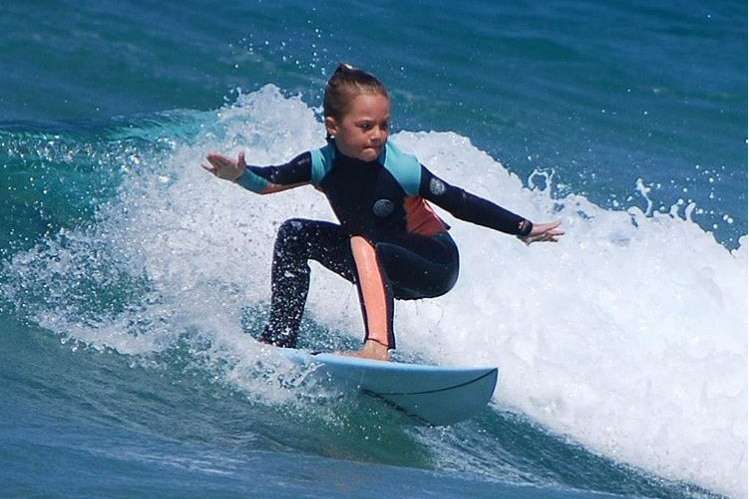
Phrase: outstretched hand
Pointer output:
(224, 167)
(549, 232)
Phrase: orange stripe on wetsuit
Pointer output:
(375, 294)
(421, 218)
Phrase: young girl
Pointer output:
(389, 241)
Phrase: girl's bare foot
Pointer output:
(371, 350)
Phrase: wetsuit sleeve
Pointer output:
(296, 171)
(471, 208)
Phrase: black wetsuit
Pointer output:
(381, 205)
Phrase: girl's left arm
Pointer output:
(472, 208)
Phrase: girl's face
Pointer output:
(363, 131)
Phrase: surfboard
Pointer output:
(435, 395)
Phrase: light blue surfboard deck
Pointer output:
(436, 395)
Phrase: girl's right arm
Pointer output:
(262, 180)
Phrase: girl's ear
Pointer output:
(331, 126)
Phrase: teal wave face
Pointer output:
(55, 180)
(57, 176)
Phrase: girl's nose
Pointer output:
(379, 134)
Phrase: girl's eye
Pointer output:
(367, 126)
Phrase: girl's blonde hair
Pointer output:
(346, 83)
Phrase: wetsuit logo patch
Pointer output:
(437, 187)
(383, 207)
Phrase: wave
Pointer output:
(628, 337)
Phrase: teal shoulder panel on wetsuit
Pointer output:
(322, 162)
(405, 168)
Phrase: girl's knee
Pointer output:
(291, 227)
(293, 233)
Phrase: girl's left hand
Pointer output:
(548, 232)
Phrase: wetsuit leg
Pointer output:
(419, 266)
(297, 242)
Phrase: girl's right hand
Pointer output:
(224, 167)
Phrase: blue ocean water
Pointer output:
(127, 274)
